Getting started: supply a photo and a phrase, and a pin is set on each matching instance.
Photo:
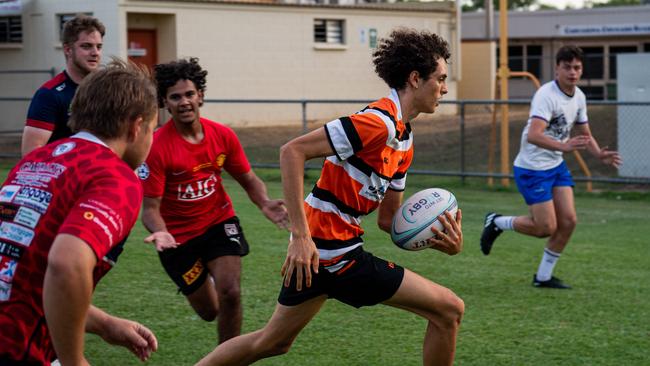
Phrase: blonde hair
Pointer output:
(111, 98)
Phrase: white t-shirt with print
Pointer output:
(561, 112)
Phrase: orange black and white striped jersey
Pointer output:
(373, 150)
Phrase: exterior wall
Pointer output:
(268, 52)
(596, 28)
(250, 51)
(478, 77)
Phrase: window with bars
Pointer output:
(11, 29)
(524, 58)
(329, 31)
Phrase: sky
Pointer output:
(561, 4)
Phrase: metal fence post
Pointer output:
(462, 142)
(304, 116)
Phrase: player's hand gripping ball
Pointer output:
(413, 221)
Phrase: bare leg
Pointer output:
(566, 218)
(204, 300)
(274, 339)
(541, 223)
(226, 272)
(440, 306)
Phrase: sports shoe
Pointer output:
(490, 232)
(554, 282)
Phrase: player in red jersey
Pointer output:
(65, 210)
(367, 156)
(195, 230)
(47, 117)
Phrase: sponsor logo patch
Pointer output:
(5, 291)
(231, 229)
(7, 270)
(221, 159)
(7, 212)
(7, 193)
(34, 198)
(143, 171)
(63, 148)
(16, 233)
(92, 217)
(10, 250)
(51, 169)
(197, 190)
(190, 276)
(27, 216)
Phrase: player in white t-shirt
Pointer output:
(540, 172)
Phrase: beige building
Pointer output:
(534, 38)
(252, 50)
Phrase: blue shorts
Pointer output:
(537, 185)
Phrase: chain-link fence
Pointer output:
(463, 138)
(467, 143)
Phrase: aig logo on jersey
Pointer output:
(197, 190)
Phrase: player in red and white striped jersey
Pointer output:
(367, 156)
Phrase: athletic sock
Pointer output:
(545, 270)
(504, 222)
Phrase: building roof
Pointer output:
(441, 6)
(554, 23)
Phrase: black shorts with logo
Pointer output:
(365, 280)
(185, 264)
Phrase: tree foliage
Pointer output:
(602, 4)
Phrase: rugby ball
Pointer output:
(413, 221)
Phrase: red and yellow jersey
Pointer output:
(188, 177)
(374, 149)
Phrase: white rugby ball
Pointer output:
(413, 221)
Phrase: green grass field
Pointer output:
(604, 320)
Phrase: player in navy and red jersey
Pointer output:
(47, 117)
(65, 210)
(367, 156)
(195, 230)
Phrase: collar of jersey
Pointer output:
(84, 135)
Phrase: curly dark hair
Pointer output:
(406, 50)
(167, 75)
(568, 54)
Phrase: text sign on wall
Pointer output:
(605, 29)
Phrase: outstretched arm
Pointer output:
(274, 210)
(302, 255)
(537, 137)
(607, 157)
(153, 221)
(122, 332)
(67, 290)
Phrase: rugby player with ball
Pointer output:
(367, 156)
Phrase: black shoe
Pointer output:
(554, 282)
(490, 232)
